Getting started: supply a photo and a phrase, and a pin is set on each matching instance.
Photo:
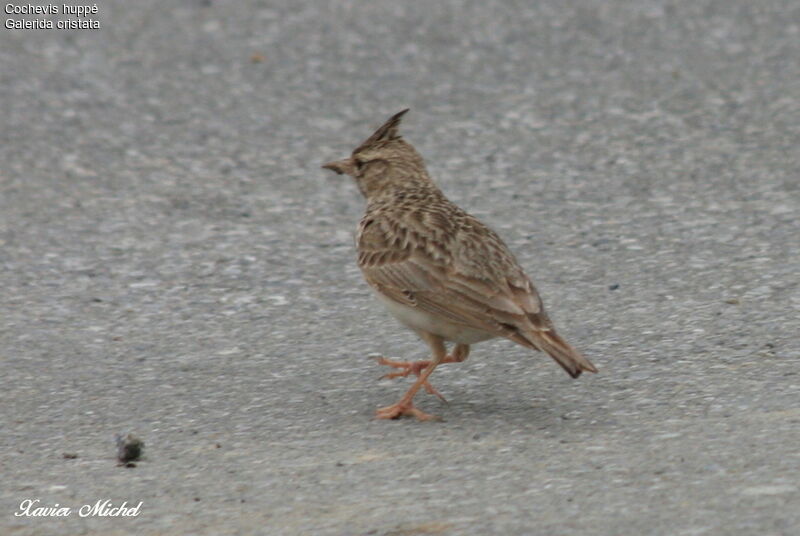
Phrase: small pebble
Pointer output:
(129, 448)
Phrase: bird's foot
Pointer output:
(409, 367)
(404, 409)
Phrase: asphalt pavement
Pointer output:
(175, 264)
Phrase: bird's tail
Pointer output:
(565, 355)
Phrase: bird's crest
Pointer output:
(386, 132)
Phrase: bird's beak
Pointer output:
(345, 166)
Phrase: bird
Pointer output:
(439, 270)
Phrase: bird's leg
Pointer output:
(459, 354)
(408, 367)
(405, 407)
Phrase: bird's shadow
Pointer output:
(540, 412)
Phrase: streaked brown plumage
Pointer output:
(439, 270)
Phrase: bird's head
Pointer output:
(383, 162)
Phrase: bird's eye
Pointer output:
(359, 164)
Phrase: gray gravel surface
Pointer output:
(173, 263)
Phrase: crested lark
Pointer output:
(440, 271)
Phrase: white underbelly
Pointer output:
(423, 321)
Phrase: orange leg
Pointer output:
(405, 407)
(460, 353)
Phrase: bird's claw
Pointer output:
(404, 409)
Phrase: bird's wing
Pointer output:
(465, 274)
